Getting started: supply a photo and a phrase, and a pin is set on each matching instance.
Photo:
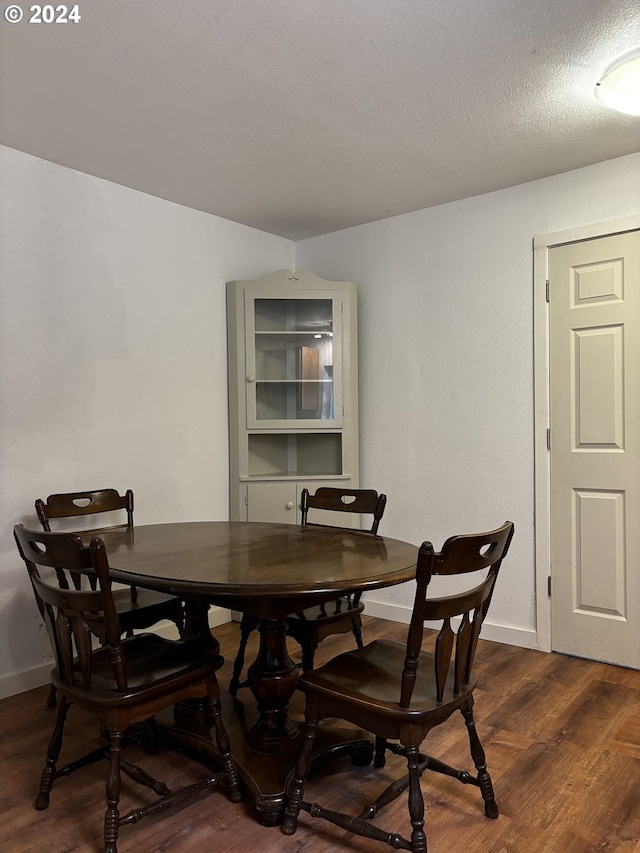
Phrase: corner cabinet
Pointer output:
(293, 392)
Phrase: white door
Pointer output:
(594, 349)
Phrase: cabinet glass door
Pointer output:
(293, 357)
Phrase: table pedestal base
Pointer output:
(263, 775)
(272, 679)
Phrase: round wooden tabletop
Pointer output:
(221, 559)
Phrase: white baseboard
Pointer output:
(20, 682)
(11, 685)
(523, 637)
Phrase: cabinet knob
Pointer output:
(251, 378)
(289, 504)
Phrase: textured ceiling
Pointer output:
(305, 117)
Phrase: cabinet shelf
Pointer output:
(293, 381)
(274, 455)
(292, 477)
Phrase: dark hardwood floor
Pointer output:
(562, 737)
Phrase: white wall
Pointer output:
(113, 361)
(112, 358)
(445, 304)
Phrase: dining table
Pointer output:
(269, 571)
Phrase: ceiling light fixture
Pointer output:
(619, 86)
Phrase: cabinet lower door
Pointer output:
(280, 502)
(275, 502)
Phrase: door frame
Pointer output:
(541, 370)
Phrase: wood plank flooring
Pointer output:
(562, 737)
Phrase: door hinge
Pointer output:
(246, 499)
(549, 586)
(547, 290)
(548, 438)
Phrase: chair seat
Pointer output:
(370, 678)
(146, 603)
(153, 664)
(330, 611)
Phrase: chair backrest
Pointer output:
(366, 501)
(72, 504)
(72, 616)
(459, 555)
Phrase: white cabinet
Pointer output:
(293, 404)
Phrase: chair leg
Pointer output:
(416, 802)
(53, 753)
(247, 625)
(224, 745)
(296, 790)
(51, 698)
(379, 759)
(178, 619)
(150, 738)
(357, 630)
(308, 654)
(477, 753)
(112, 815)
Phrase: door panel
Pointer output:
(600, 567)
(594, 339)
(597, 410)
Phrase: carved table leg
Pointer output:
(272, 678)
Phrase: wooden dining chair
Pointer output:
(137, 608)
(314, 624)
(122, 682)
(400, 693)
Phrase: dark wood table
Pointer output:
(268, 570)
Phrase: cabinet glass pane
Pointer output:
(294, 359)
